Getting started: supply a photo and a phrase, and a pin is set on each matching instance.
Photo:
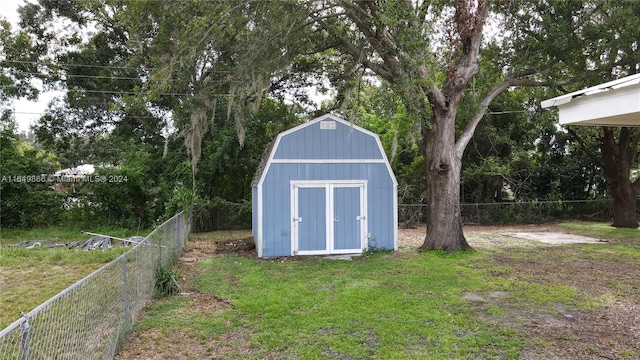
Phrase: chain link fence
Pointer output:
(224, 215)
(92, 318)
(526, 212)
(219, 214)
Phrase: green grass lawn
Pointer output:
(391, 306)
(29, 277)
(402, 305)
(62, 233)
(602, 230)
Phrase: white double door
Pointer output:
(328, 217)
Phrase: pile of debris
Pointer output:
(97, 241)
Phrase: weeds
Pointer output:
(166, 281)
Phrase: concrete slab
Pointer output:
(339, 257)
(555, 238)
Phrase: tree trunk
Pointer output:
(617, 159)
(624, 209)
(624, 199)
(443, 165)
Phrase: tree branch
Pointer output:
(378, 37)
(628, 144)
(357, 54)
(595, 158)
(609, 142)
(470, 129)
(422, 11)
(470, 27)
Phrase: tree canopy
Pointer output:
(223, 77)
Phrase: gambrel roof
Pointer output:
(358, 153)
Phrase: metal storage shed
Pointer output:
(614, 103)
(324, 187)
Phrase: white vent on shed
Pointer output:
(327, 125)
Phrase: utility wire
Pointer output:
(102, 77)
(111, 92)
(122, 67)
(115, 114)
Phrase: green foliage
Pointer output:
(181, 199)
(381, 111)
(18, 64)
(166, 281)
(219, 214)
(535, 212)
(26, 198)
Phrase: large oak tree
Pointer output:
(429, 52)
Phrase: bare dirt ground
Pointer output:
(611, 330)
(608, 330)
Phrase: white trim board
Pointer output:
(328, 161)
(329, 186)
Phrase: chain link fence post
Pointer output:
(125, 298)
(26, 329)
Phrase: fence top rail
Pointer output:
(159, 227)
(521, 202)
(14, 325)
(62, 293)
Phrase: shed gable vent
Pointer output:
(327, 125)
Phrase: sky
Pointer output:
(25, 112)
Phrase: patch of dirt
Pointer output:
(610, 331)
(152, 344)
(564, 332)
(479, 237)
(243, 247)
(197, 248)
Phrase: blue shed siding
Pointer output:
(276, 231)
(344, 142)
(323, 156)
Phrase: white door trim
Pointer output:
(329, 186)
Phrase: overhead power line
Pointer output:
(91, 66)
(118, 114)
(65, 64)
(111, 92)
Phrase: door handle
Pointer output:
(297, 219)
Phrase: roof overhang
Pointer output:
(615, 103)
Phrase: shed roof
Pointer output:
(614, 103)
(272, 148)
(263, 163)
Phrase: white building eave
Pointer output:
(614, 103)
(615, 84)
